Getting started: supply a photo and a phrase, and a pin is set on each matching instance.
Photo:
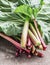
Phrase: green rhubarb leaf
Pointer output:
(7, 5)
(36, 5)
(10, 23)
(11, 27)
(24, 9)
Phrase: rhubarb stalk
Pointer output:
(29, 44)
(34, 39)
(13, 42)
(42, 41)
(35, 33)
(24, 34)
(37, 53)
(33, 49)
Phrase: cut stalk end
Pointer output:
(41, 47)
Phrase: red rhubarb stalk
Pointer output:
(42, 41)
(39, 54)
(13, 42)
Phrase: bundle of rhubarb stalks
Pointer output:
(25, 27)
(31, 40)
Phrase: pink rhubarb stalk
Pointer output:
(29, 43)
(13, 42)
